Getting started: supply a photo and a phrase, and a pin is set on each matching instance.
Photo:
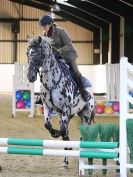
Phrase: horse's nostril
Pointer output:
(33, 78)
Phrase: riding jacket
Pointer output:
(62, 41)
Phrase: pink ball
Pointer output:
(115, 106)
(100, 109)
(20, 104)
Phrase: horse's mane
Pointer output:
(35, 40)
(47, 39)
(36, 44)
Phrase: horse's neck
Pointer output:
(53, 73)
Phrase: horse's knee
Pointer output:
(63, 131)
(63, 128)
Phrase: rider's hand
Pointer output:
(55, 50)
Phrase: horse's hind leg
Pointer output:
(47, 115)
(88, 112)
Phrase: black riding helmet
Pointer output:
(45, 20)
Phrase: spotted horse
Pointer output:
(58, 90)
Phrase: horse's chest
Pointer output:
(59, 96)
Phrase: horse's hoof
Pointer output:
(68, 148)
(48, 126)
(55, 133)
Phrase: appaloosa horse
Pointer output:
(59, 91)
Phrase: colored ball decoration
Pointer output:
(23, 99)
(107, 107)
(28, 103)
(130, 104)
(26, 95)
(108, 110)
(20, 104)
(19, 94)
(115, 106)
(99, 109)
(131, 93)
(108, 103)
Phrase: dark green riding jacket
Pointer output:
(63, 42)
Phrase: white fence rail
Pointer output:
(21, 83)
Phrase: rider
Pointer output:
(63, 45)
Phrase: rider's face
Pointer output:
(46, 28)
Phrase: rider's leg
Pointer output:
(84, 93)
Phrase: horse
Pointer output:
(58, 90)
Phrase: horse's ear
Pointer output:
(28, 38)
(39, 39)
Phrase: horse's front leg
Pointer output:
(64, 127)
(47, 115)
(64, 122)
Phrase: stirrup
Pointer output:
(39, 101)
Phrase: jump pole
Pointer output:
(53, 152)
(58, 143)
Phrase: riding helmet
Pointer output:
(45, 20)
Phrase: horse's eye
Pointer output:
(32, 51)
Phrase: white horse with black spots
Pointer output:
(58, 90)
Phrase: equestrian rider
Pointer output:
(62, 43)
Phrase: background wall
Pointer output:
(13, 45)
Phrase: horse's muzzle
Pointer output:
(32, 76)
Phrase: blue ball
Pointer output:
(19, 95)
(28, 103)
(131, 93)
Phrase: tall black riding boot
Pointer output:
(84, 93)
(39, 100)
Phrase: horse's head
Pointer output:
(38, 50)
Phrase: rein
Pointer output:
(49, 70)
(54, 86)
(51, 89)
